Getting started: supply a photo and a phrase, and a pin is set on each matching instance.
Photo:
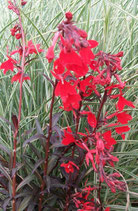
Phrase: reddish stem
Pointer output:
(98, 117)
(73, 152)
(47, 147)
(100, 109)
(19, 113)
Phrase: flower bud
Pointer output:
(69, 15)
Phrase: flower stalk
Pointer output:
(22, 68)
(47, 147)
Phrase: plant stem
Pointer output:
(100, 109)
(73, 152)
(99, 194)
(47, 147)
(19, 113)
(50, 131)
(98, 117)
(14, 176)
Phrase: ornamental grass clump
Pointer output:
(54, 176)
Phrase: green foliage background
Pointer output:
(113, 23)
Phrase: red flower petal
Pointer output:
(78, 70)
(64, 89)
(123, 117)
(107, 209)
(58, 67)
(92, 120)
(68, 137)
(109, 140)
(7, 65)
(121, 130)
(122, 102)
(31, 48)
(70, 58)
(71, 101)
(17, 77)
(50, 54)
(93, 43)
(86, 55)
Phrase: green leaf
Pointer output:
(24, 204)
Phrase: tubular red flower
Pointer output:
(69, 167)
(8, 65)
(17, 77)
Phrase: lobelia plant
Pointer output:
(54, 177)
(23, 51)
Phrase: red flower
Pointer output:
(92, 119)
(70, 58)
(11, 6)
(18, 36)
(12, 32)
(107, 209)
(69, 167)
(89, 157)
(123, 117)
(121, 130)
(86, 55)
(85, 83)
(122, 85)
(100, 145)
(50, 54)
(113, 60)
(93, 43)
(17, 77)
(8, 65)
(71, 102)
(68, 137)
(80, 200)
(78, 70)
(68, 94)
(31, 48)
(64, 89)
(59, 71)
(122, 102)
(109, 140)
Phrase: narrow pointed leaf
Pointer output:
(26, 181)
(33, 138)
(5, 173)
(38, 163)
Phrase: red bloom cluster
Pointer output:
(13, 7)
(16, 31)
(29, 49)
(12, 64)
(83, 202)
(81, 75)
